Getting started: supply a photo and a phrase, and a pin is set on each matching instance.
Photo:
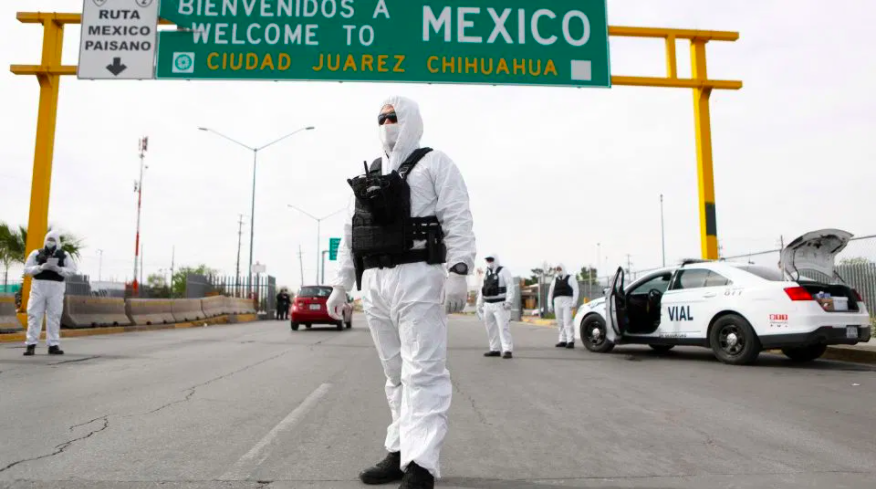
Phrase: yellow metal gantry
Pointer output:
(50, 70)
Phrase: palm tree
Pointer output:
(13, 246)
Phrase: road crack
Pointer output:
(59, 449)
(190, 391)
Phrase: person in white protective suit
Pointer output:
(494, 305)
(563, 292)
(409, 247)
(48, 266)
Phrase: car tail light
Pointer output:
(798, 294)
(857, 295)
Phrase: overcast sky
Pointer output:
(551, 171)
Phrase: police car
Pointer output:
(735, 309)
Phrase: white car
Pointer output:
(735, 309)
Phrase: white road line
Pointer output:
(257, 455)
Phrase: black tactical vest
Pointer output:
(562, 288)
(42, 257)
(383, 229)
(491, 286)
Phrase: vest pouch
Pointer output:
(369, 237)
(382, 196)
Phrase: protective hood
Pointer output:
(411, 129)
(815, 251)
(497, 261)
(54, 235)
(564, 270)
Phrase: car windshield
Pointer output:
(315, 291)
(765, 273)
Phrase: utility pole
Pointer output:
(662, 223)
(323, 265)
(301, 273)
(138, 187)
(597, 262)
(171, 283)
(238, 258)
(628, 263)
(100, 263)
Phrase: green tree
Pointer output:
(860, 260)
(178, 281)
(13, 246)
(158, 286)
(588, 275)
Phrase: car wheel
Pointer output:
(593, 334)
(733, 340)
(662, 348)
(294, 326)
(805, 353)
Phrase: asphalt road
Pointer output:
(256, 405)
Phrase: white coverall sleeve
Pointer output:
(345, 276)
(453, 212)
(508, 280)
(572, 281)
(549, 293)
(69, 267)
(31, 267)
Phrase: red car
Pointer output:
(310, 307)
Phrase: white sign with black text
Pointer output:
(118, 39)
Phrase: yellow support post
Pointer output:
(38, 218)
(704, 158)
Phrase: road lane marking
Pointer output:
(257, 455)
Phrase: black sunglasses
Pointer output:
(489, 259)
(390, 116)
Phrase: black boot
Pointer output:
(570, 345)
(508, 354)
(31, 349)
(561, 344)
(492, 354)
(388, 470)
(417, 478)
(55, 350)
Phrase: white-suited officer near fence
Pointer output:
(494, 305)
(563, 292)
(48, 266)
(410, 245)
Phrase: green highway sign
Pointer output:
(334, 248)
(498, 42)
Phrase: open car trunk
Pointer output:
(832, 297)
(810, 260)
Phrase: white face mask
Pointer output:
(50, 245)
(388, 134)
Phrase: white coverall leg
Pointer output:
(497, 324)
(47, 298)
(406, 316)
(563, 307)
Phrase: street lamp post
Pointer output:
(318, 220)
(255, 151)
(323, 265)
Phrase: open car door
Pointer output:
(615, 298)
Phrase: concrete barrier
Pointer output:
(241, 306)
(186, 310)
(90, 312)
(8, 320)
(144, 312)
(214, 306)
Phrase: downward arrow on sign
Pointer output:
(117, 67)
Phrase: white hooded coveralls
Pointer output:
(494, 313)
(563, 307)
(47, 297)
(404, 305)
